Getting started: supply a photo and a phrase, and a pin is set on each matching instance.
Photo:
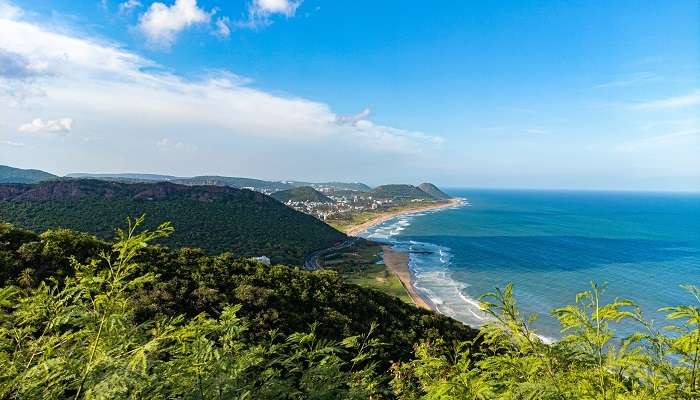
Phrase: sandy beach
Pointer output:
(397, 263)
(357, 229)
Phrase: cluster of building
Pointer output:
(342, 205)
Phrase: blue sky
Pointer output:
(540, 94)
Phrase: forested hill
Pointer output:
(434, 191)
(400, 192)
(214, 218)
(18, 175)
(304, 193)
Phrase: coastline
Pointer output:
(397, 263)
(357, 229)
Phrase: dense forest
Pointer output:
(87, 319)
(216, 219)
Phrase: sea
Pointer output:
(551, 245)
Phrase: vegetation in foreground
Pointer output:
(82, 330)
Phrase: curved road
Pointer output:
(311, 262)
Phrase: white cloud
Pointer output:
(682, 101)
(629, 80)
(132, 103)
(129, 5)
(56, 126)
(12, 144)
(222, 27)
(7, 10)
(161, 23)
(353, 119)
(260, 11)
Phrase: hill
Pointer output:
(235, 182)
(400, 192)
(434, 191)
(127, 177)
(302, 193)
(214, 218)
(18, 175)
(279, 298)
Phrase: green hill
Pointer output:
(401, 192)
(434, 191)
(236, 182)
(214, 218)
(127, 177)
(17, 175)
(189, 282)
(303, 193)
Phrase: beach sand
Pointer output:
(397, 263)
(357, 229)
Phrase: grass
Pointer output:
(358, 265)
(379, 278)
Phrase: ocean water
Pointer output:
(551, 245)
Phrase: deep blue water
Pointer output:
(551, 245)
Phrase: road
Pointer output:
(311, 262)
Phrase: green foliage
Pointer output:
(84, 319)
(216, 219)
(590, 362)
(278, 298)
(302, 193)
(82, 340)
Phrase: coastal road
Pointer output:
(311, 262)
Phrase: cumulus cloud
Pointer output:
(55, 126)
(260, 11)
(12, 144)
(128, 6)
(162, 23)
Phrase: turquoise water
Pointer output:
(551, 245)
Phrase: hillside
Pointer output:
(400, 192)
(277, 298)
(235, 182)
(18, 175)
(302, 194)
(214, 218)
(434, 191)
(127, 177)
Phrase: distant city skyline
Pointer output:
(520, 94)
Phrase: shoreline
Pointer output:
(397, 263)
(357, 229)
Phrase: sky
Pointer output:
(513, 94)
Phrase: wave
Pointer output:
(429, 266)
